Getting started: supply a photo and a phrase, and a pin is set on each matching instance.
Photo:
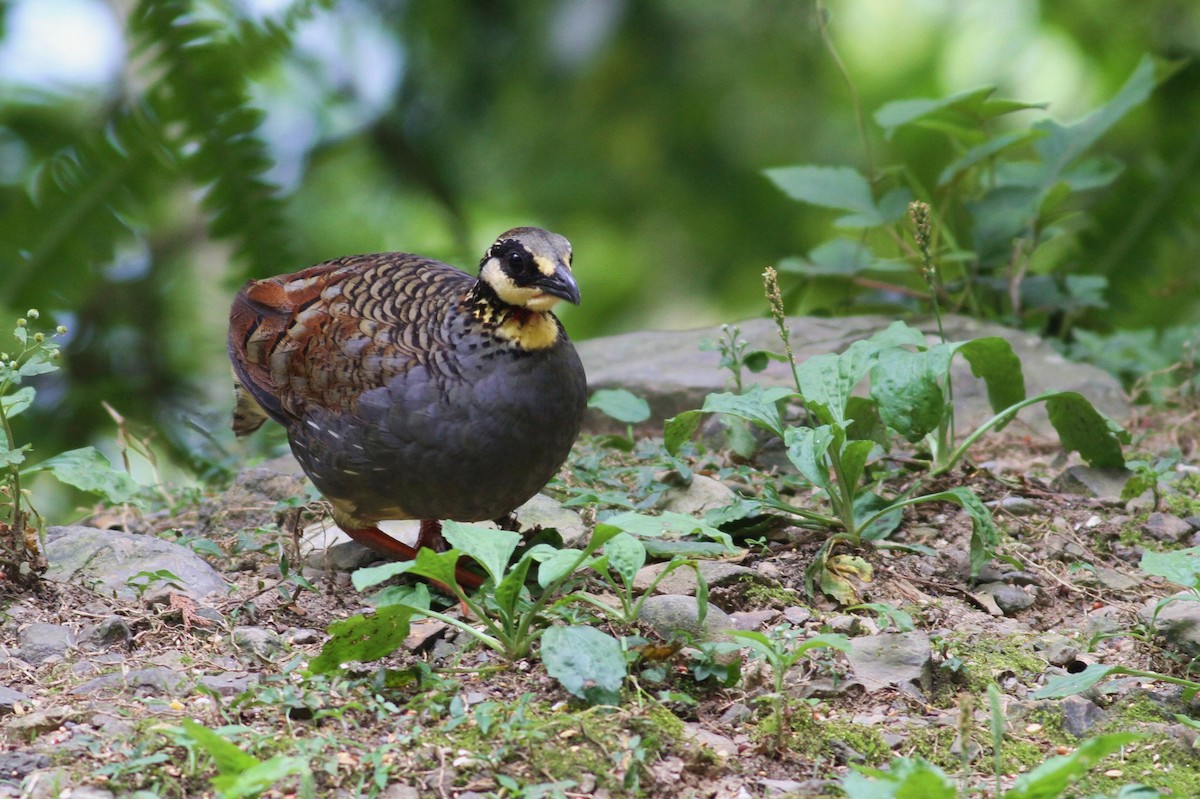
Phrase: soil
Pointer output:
(445, 718)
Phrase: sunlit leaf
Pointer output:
(620, 405)
(585, 661)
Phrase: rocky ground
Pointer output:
(210, 606)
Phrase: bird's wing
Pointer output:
(324, 335)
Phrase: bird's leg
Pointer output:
(384, 544)
(431, 535)
(508, 522)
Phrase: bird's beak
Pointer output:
(560, 284)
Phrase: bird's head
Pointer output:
(530, 268)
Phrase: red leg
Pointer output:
(384, 544)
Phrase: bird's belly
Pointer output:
(419, 450)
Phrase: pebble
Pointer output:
(258, 641)
(671, 613)
(40, 642)
(797, 615)
(1166, 527)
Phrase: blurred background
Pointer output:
(156, 154)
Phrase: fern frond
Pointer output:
(202, 98)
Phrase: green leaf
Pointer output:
(88, 470)
(1050, 779)
(620, 405)
(986, 150)
(828, 380)
(17, 401)
(837, 258)
(854, 460)
(667, 524)
(585, 661)
(1181, 566)
(626, 555)
(984, 535)
(807, 449)
(908, 778)
(1085, 430)
(228, 758)
(678, 430)
(363, 638)
(13, 457)
(508, 591)
(840, 188)
(906, 390)
(254, 781)
(558, 566)
(439, 566)
(490, 548)
(1071, 684)
(992, 359)
(39, 363)
(368, 576)
(933, 112)
(756, 405)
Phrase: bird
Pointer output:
(410, 389)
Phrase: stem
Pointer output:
(1004, 416)
(459, 624)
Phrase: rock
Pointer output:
(1011, 599)
(1178, 622)
(262, 643)
(1102, 482)
(736, 714)
(544, 512)
(90, 792)
(1080, 715)
(845, 624)
(229, 683)
(669, 614)
(300, 636)
(1167, 528)
(753, 619)
(34, 724)
(1108, 578)
(158, 680)
(399, 790)
(718, 744)
(671, 372)
(1103, 621)
(897, 659)
(1058, 650)
(15, 765)
(698, 497)
(1020, 506)
(51, 783)
(107, 560)
(797, 615)
(9, 699)
(107, 632)
(683, 580)
(39, 642)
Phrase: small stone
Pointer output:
(1010, 599)
(672, 613)
(15, 765)
(753, 619)
(893, 659)
(1105, 483)
(797, 615)
(736, 714)
(229, 683)
(719, 744)
(90, 792)
(32, 725)
(1102, 621)
(1167, 528)
(398, 790)
(845, 625)
(346, 556)
(1080, 715)
(698, 497)
(141, 682)
(683, 580)
(1057, 649)
(50, 783)
(9, 699)
(1178, 621)
(260, 642)
(1020, 506)
(301, 636)
(39, 642)
(107, 632)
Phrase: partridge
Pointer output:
(412, 390)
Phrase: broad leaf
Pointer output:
(620, 405)
(1050, 779)
(1085, 430)
(626, 555)
(839, 188)
(1072, 684)
(227, 756)
(490, 548)
(1181, 567)
(854, 461)
(984, 535)
(678, 430)
(906, 390)
(254, 781)
(508, 592)
(806, 449)
(667, 524)
(88, 470)
(964, 105)
(837, 258)
(986, 150)
(757, 405)
(992, 359)
(587, 662)
(17, 401)
(363, 638)
(907, 778)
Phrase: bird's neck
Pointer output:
(521, 327)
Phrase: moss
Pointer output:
(1158, 761)
(756, 595)
(984, 658)
(824, 740)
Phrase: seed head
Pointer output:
(60, 330)
(39, 337)
(32, 313)
(22, 322)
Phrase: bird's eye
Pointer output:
(516, 260)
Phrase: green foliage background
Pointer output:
(131, 210)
